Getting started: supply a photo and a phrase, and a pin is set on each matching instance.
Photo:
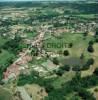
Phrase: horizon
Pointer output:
(35, 0)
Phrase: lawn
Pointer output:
(92, 68)
(36, 61)
(94, 91)
(35, 91)
(67, 76)
(5, 57)
(5, 94)
(31, 35)
(2, 41)
(79, 44)
(87, 16)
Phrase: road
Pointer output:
(23, 93)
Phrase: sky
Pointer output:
(33, 0)
(16, 0)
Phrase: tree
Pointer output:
(96, 71)
(85, 34)
(91, 42)
(90, 49)
(34, 51)
(85, 94)
(0, 50)
(70, 45)
(85, 67)
(60, 72)
(65, 67)
(66, 53)
(76, 68)
(90, 61)
(49, 88)
(55, 61)
(96, 39)
(96, 34)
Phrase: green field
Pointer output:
(2, 41)
(5, 94)
(5, 57)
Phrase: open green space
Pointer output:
(5, 57)
(5, 94)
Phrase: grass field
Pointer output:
(2, 41)
(5, 56)
(31, 35)
(79, 46)
(35, 91)
(87, 16)
(5, 94)
(92, 68)
(62, 80)
(77, 40)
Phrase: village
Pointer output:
(45, 46)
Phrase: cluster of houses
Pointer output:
(64, 24)
(19, 65)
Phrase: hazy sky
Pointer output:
(35, 0)
(16, 0)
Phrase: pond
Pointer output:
(73, 61)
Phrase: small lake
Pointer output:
(73, 61)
